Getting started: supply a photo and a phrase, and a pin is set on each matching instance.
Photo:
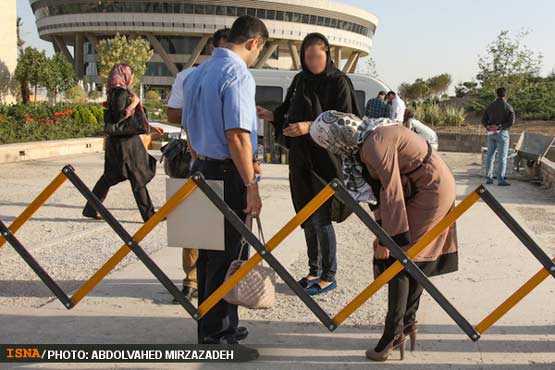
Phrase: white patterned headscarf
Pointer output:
(342, 134)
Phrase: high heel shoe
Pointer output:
(398, 342)
(410, 331)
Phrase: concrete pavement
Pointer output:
(130, 306)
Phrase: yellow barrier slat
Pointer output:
(147, 227)
(35, 205)
(280, 236)
(397, 267)
(513, 300)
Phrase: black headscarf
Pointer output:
(307, 104)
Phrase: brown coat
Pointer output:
(411, 203)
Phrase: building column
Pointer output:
(93, 40)
(196, 51)
(79, 56)
(61, 45)
(267, 54)
(355, 63)
(351, 62)
(294, 55)
(165, 56)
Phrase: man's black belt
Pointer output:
(204, 158)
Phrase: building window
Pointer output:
(261, 13)
(157, 69)
(199, 9)
(178, 44)
(269, 97)
(210, 9)
(220, 10)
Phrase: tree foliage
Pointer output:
(422, 90)
(30, 68)
(59, 75)
(466, 88)
(508, 62)
(119, 49)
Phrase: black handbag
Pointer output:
(177, 159)
(136, 124)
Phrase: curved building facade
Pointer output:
(179, 30)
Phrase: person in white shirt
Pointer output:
(421, 129)
(175, 102)
(398, 106)
(174, 111)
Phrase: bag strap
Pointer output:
(260, 232)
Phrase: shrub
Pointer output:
(429, 113)
(94, 94)
(453, 116)
(76, 94)
(433, 114)
(20, 123)
(152, 97)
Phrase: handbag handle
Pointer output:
(260, 232)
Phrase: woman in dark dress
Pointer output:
(319, 87)
(125, 158)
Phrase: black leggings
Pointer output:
(403, 299)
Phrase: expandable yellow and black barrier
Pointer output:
(334, 188)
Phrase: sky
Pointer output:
(420, 39)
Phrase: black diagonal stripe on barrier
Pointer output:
(410, 267)
(239, 225)
(131, 243)
(34, 265)
(519, 232)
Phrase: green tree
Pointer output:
(439, 84)
(59, 75)
(417, 91)
(5, 82)
(30, 68)
(466, 88)
(508, 62)
(23, 85)
(119, 49)
(368, 68)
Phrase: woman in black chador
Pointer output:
(319, 87)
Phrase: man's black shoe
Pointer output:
(241, 333)
(189, 293)
(250, 353)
